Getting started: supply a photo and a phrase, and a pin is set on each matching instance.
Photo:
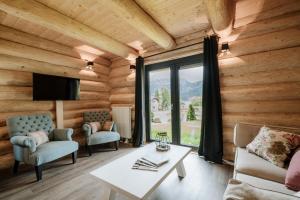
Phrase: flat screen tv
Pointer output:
(47, 87)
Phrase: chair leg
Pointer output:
(38, 172)
(89, 150)
(16, 166)
(74, 157)
(117, 145)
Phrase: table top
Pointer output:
(138, 184)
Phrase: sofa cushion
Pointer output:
(104, 137)
(292, 179)
(266, 184)
(51, 151)
(253, 165)
(274, 145)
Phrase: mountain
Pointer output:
(187, 89)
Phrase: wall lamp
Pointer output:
(89, 66)
(225, 48)
(132, 68)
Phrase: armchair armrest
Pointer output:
(114, 128)
(87, 129)
(24, 141)
(62, 134)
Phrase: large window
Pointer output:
(174, 100)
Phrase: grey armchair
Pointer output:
(100, 137)
(25, 150)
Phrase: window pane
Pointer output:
(160, 102)
(190, 81)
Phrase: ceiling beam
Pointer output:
(38, 13)
(131, 12)
(221, 15)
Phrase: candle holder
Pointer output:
(162, 141)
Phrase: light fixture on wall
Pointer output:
(89, 66)
(132, 68)
(225, 48)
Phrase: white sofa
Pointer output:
(254, 170)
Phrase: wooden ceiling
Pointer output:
(176, 17)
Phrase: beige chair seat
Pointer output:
(253, 165)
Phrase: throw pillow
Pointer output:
(273, 145)
(96, 126)
(107, 126)
(292, 179)
(40, 137)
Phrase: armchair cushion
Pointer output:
(24, 141)
(40, 137)
(95, 126)
(103, 137)
(51, 151)
(107, 126)
(62, 134)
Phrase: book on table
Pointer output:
(150, 162)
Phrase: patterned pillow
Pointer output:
(96, 126)
(40, 137)
(107, 126)
(274, 145)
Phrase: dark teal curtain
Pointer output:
(138, 125)
(211, 144)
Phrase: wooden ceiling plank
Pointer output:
(131, 12)
(38, 13)
(221, 15)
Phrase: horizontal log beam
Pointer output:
(133, 14)
(21, 66)
(259, 62)
(271, 106)
(24, 51)
(221, 15)
(279, 91)
(267, 42)
(14, 35)
(38, 13)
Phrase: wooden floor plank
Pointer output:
(63, 180)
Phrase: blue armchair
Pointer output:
(99, 137)
(25, 150)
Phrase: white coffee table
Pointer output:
(139, 184)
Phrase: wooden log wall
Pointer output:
(260, 77)
(21, 54)
(122, 83)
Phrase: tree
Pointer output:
(165, 99)
(196, 101)
(191, 115)
(151, 116)
(157, 95)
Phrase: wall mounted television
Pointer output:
(48, 87)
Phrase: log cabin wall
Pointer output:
(20, 55)
(122, 83)
(260, 77)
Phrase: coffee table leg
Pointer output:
(180, 169)
(112, 194)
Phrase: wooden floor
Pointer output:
(63, 180)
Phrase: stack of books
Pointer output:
(150, 162)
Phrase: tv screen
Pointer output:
(46, 87)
